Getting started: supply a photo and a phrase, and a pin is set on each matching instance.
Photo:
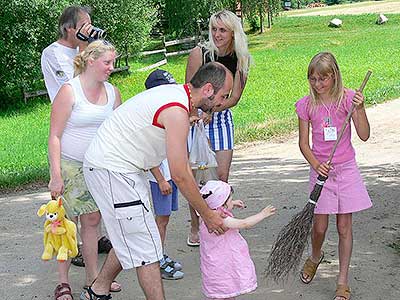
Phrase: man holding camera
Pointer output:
(57, 61)
(58, 58)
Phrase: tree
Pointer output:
(256, 10)
(127, 22)
(185, 18)
(28, 26)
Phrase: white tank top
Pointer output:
(84, 121)
(131, 139)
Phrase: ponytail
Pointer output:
(94, 50)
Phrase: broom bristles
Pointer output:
(289, 245)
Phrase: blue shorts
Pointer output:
(164, 204)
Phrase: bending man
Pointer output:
(145, 130)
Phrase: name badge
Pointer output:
(330, 134)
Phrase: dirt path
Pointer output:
(262, 173)
(371, 7)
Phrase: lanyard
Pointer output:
(328, 119)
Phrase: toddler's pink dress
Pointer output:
(227, 269)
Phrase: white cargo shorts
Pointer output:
(124, 203)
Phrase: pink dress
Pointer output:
(344, 191)
(227, 269)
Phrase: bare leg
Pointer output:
(344, 227)
(111, 268)
(224, 160)
(320, 225)
(150, 281)
(89, 230)
(162, 222)
(194, 225)
(63, 268)
(99, 231)
(194, 221)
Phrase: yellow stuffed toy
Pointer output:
(59, 233)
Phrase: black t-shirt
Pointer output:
(229, 61)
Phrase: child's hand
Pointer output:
(165, 187)
(268, 211)
(206, 117)
(193, 119)
(358, 100)
(323, 169)
(238, 203)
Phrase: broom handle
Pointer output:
(363, 84)
(314, 196)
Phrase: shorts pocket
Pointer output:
(131, 216)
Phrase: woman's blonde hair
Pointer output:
(94, 50)
(239, 40)
(325, 64)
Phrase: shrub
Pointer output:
(28, 26)
(128, 23)
(190, 15)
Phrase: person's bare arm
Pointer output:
(238, 86)
(164, 185)
(249, 221)
(176, 123)
(322, 168)
(359, 117)
(195, 61)
(60, 113)
(117, 98)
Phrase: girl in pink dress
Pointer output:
(325, 110)
(227, 269)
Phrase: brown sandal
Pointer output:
(62, 289)
(309, 269)
(343, 291)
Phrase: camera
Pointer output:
(95, 34)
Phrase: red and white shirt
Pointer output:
(131, 139)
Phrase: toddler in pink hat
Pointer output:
(227, 269)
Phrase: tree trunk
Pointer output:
(127, 56)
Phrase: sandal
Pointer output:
(78, 259)
(169, 273)
(309, 269)
(192, 242)
(104, 245)
(62, 289)
(115, 289)
(92, 295)
(167, 261)
(342, 291)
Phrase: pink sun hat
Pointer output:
(217, 191)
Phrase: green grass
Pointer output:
(336, 8)
(277, 79)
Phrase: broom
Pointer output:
(292, 239)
